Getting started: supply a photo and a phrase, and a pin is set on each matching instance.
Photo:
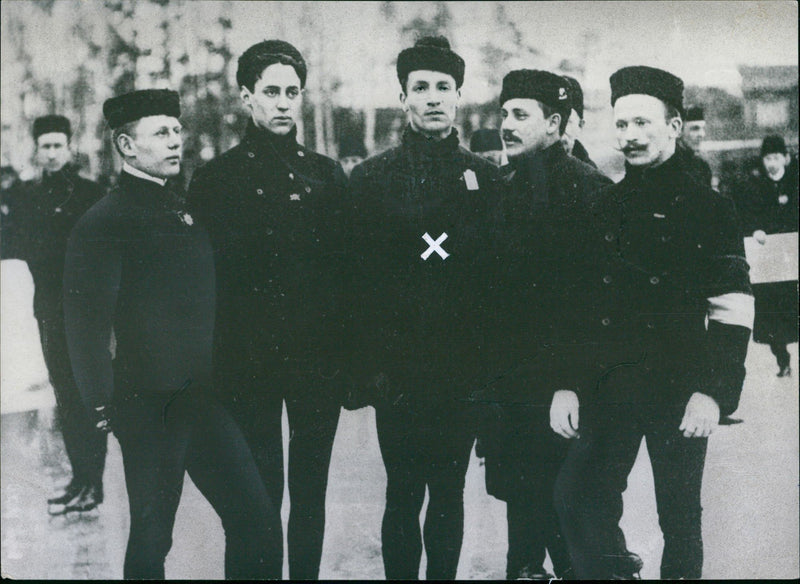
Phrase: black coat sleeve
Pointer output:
(726, 272)
(92, 275)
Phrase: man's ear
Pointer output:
(245, 94)
(403, 100)
(553, 123)
(126, 145)
(676, 125)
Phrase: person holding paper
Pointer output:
(768, 205)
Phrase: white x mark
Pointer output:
(435, 246)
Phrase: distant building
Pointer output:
(770, 99)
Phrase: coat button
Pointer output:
(607, 279)
(606, 321)
(260, 191)
(609, 237)
(308, 189)
(651, 326)
(654, 280)
(291, 176)
(300, 153)
(251, 155)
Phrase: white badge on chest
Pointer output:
(471, 180)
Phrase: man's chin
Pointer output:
(516, 150)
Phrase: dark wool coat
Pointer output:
(421, 304)
(661, 243)
(41, 215)
(273, 211)
(545, 209)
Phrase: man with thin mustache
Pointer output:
(666, 311)
(544, 214)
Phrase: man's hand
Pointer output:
(760, 236)
(701, 416)
(564, 413)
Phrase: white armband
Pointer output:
(735, 308)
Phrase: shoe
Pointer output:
(785, 371)
(86, 500)
(537, 573)
(71, 490)
(627, 567)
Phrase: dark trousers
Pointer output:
(589, 488)
(256, 404)
(163, 437)
(423, 445)
(85, 445)
(532, 522)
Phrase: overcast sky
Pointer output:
(701, 41)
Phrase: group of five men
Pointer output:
(555, 315)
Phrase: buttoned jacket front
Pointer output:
(41, 214)
(272, 209)
(422, 252)
(661, 245)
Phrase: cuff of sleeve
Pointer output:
(724, 371)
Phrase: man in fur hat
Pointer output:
(272, 208)
(138, 264)
(40, 215)
(667, 312)
(422, 247)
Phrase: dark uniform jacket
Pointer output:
(661, 243)
(580, 152)
(139, 263)
(418, 317)
(545, 210)
(696, 165)
(769, 205)
(272, 209)
(41, 215)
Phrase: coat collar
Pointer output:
(532, 168)
(429, 148)
(265, 142)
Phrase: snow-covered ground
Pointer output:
(750, 494)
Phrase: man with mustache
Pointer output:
(422, 232)
(548, 189)
(37, 219)
(667, 312)
(138, 264)
(272, 209)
